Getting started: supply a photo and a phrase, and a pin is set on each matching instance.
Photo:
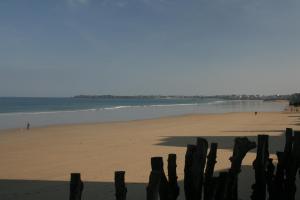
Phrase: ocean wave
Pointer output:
(110, 108)
(49, 112)
(216, 102)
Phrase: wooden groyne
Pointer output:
(272, 182)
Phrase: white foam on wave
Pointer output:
(49, 112)
(108, 108)
(216, 102)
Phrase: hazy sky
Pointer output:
(128, 47)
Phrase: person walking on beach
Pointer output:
(28, 126)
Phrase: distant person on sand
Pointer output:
(255, 113)
(28, 126)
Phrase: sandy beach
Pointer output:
(36, 164)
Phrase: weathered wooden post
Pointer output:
(209, 170)
(172, 174)
(188, 177)
(120, 186)
(270, 177)
(76, 187)
(260, 166)
(221, 186)
(277, 183)
(277, 191)
(241, 147)
(199, 161)
(158, 165)
(292, 167)
(195, 160)
(288, 141)
(153, 185)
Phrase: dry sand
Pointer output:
(36, 164)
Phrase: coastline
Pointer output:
(49, 154)
(74, 125)
(129, 113)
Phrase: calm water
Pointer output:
(16, 112)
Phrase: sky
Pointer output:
(142, 47)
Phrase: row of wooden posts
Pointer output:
(271, 182)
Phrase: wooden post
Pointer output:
(270, 177)
(194, 169)
(76, 187)
(120, 186)
(188, 177)
(288, 141)
(260, 166)
(153, 186)
(292, 168)
(173, 185)
(241, 147)
(277, 192)
(199, 161)
(209, 170)
(158, 165)
(221, 186)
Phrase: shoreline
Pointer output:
(19, 121)
(137, 120)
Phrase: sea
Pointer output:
(16, 112)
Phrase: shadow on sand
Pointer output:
(276, 143)
(59, 190)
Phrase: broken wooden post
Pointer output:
(221, 186)
(209, 170)
(172, 174)
(199, 166)
(188, 177)
(158, 165)
(120, 186)
(194, 169)
(260, 166)
(277, 186)
(288, 141)
(241, 147)
(270, 177)
(76, 187)
(292, 168)
(153, 185)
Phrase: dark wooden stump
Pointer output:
(195, 160)
(120, 186)
(188, 176)
(157, 165)
(221, 186)
(260, 165)
(199, 161)
(76, 187)
(288, 141)
(292, 168)
(241, 147)
(209, 170)
(153, 185)
(172, 174)
(270, 177)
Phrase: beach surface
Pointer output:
(36, 163)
